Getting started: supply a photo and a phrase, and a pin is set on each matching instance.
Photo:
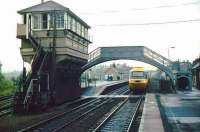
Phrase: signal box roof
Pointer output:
(46, 6)
(50, 6)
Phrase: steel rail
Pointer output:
(120, 90)
(116, 110)
(6, 105)
(115, 91)
(81, 116)
(135, 114)
(110, 115)
(5, 112)
(125, 92)
(43, 122)
(2, 98)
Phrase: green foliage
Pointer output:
(1, 76)
(7, 87)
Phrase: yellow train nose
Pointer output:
(138, 83)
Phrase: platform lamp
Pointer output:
(169, 50)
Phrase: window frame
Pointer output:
(42, 21)
(34, 16)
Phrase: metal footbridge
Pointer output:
(138, 53)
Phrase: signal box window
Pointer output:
(44, 21)
(37, 21)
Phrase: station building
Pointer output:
(196, 73)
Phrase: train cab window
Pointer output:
(137, 74)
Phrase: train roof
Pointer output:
(137, 69)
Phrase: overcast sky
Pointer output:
(109, 19)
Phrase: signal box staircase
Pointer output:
(34, 92)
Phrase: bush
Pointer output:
(7, 87)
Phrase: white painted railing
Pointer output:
(29, 91)
(156, 57)
(94, 54)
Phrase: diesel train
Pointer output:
(138, 79)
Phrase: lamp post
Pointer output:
(168, 51)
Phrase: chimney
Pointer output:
(42, 1)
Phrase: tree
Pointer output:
(114, 65)
(7, 87)
(1, 76)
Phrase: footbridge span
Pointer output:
(138, 53)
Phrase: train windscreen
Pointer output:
(137, 74)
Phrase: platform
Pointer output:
(100, 87)
(181, 111)
(151, 119)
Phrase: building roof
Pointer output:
(197, 65)
(196, 60)
(46, 6)
(51, 6)
(111, 70)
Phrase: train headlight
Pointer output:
(145, 81)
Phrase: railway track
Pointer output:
(6, 112)
(57, 122)
(120, 91)
(6, 104)
(57, 116)
(122, 118)
(83, 122)
(84, 117)
(5, 97)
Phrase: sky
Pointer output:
(117, 23)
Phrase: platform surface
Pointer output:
(181, 111)
(151, 120)
(99, 87)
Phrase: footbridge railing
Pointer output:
(94, 54)
(138, 53)
(141, 51)
(157, 57)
